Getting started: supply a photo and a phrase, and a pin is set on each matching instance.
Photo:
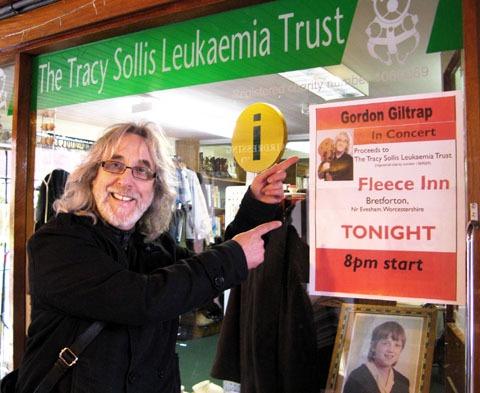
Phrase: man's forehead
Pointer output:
(135, 160)
(132, 148)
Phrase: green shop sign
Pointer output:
(264, 39)
(274, 37)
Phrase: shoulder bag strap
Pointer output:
(68, 356)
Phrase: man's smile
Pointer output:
(119, 197)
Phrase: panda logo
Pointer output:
(392, 35)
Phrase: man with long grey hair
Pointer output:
(107, 256)
(341, 165)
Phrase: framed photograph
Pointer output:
(383, 349)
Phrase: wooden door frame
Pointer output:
(24, 131)
(23, 150)
(471, 31)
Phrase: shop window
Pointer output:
(386, 55)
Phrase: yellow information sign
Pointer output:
(259, 138)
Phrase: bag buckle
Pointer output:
(68, 357)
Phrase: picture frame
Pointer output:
(356, 343)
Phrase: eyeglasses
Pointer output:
(138, 172)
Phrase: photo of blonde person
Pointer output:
(336, 163)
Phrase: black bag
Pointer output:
(67, 358)
(8, 382)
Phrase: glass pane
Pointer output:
(386, 56)
(6, 195)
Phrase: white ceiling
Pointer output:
(223, 101)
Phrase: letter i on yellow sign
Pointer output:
(259, 138)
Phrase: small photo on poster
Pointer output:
(334, 155)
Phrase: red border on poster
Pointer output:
(395, 229)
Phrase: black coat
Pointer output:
(52, 188)
(342, 168)
(79, 272)
(361, 380)
(268, 339)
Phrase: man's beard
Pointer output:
(122, 218)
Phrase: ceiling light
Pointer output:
(191, 111)
(142, 106)
(329, 83)
(299, 146)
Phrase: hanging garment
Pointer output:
(198, 220)
(183, 202)
(184, 195)
(52, 188)
(268, 341)
(177, 223)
